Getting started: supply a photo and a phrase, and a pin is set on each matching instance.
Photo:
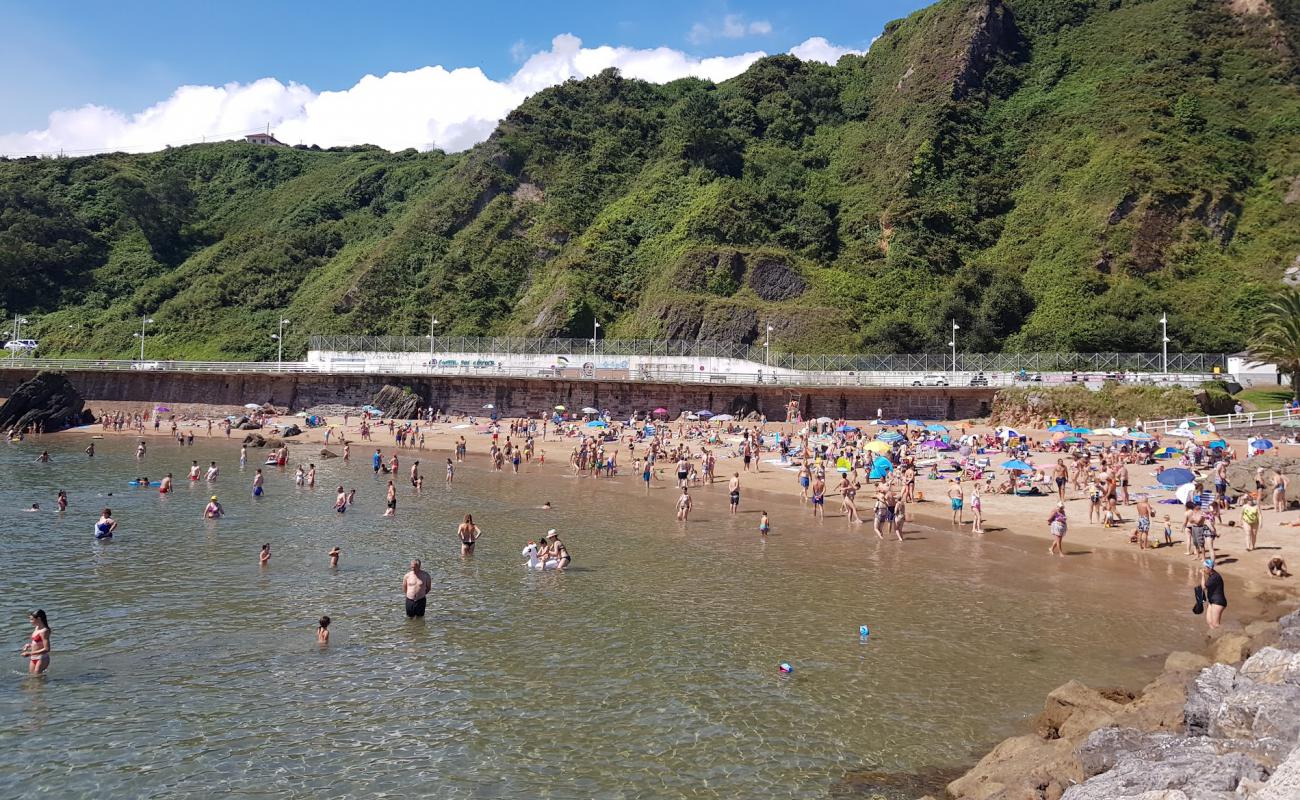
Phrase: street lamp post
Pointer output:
(767, 348)
(953, 345)
(595, 332)
(433, 322)
(279, 351)
(19, 322)
(1164, 343)
(143, 322)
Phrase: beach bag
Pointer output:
(1199, 594)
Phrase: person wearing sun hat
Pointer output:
(213, 510)
(556, 549)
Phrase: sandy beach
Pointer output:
(1252, 590)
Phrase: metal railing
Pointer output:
(1246, 419)
(646, 374)
(905, 362)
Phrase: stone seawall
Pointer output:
(518, 396)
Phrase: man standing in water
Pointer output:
(416, 585)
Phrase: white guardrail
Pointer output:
(1246, 419)
(653, 374)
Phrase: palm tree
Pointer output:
(1276, 336)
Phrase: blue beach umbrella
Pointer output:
(1217, 444)
(1017, 464)
(890, 422)
(1080, 430)
(915, 423)
(845, 429)
(937, 428)
(1140, 436)
(880, 468)
(1060, 427)
(1175, 477)
(1262, 444)
(597, 423)
(890, 436)
(705, 414)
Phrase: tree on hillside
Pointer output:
(1276, 337)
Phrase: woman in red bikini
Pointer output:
(38, 652)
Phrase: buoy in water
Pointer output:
(786, 668)
(864, 631)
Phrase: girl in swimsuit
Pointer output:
(468, 533)
(38, 652)
(977, 524)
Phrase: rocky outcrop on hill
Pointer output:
(1200, 730)
(48, 400)
(398, 402)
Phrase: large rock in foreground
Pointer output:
(48, 399)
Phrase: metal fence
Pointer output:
(904, 362)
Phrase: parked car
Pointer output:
(145, 365)
(930, 380)
(20, 345)
(979, 380)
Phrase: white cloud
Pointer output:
(422, 108)
(732, 26)
(818, 49)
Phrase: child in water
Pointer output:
(265, 556)
(763, 525)
(323, 631)
(1169, 532)
(334, 559)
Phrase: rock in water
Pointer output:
(292, 430)
(398, 402)
(328, 454)
(255, 439)
(49, 399)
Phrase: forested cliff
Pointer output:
(1053, 174)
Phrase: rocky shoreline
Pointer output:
(1221, 725)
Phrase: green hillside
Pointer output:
(1053, 174)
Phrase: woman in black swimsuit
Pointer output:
(468, 533)
(1215, 598)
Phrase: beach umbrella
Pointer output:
(877, 446)
(723, 418)
(936, 427)
(1140, 436)
(590, 410)
(1291, 423)
(890, 436)
(559, 408)
(162, 409)
(880, 467)
(251, 405)
(1071, 440)
(842, 464)
(823, 420)
(705, 414)
(488, 406)
(1217, 444)
(915, 423)
(1184, 493)
(1167, 452)
(1007, 434)
(1017, 464)
(1080, 430)
(1060, 427)
(890, 422)
(1175, 477)
(1182, 433)
(661, 410)
(845, 429)
(1262, 444)
(596, 423)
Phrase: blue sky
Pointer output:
(129, 55)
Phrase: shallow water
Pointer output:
(649, 669)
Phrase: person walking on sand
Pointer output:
(1056, 525)
(1061, 474)
(1216, 601)
(1250, 521)
(957, 499)
(416, 584)
(684, 505)
(37, 652)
